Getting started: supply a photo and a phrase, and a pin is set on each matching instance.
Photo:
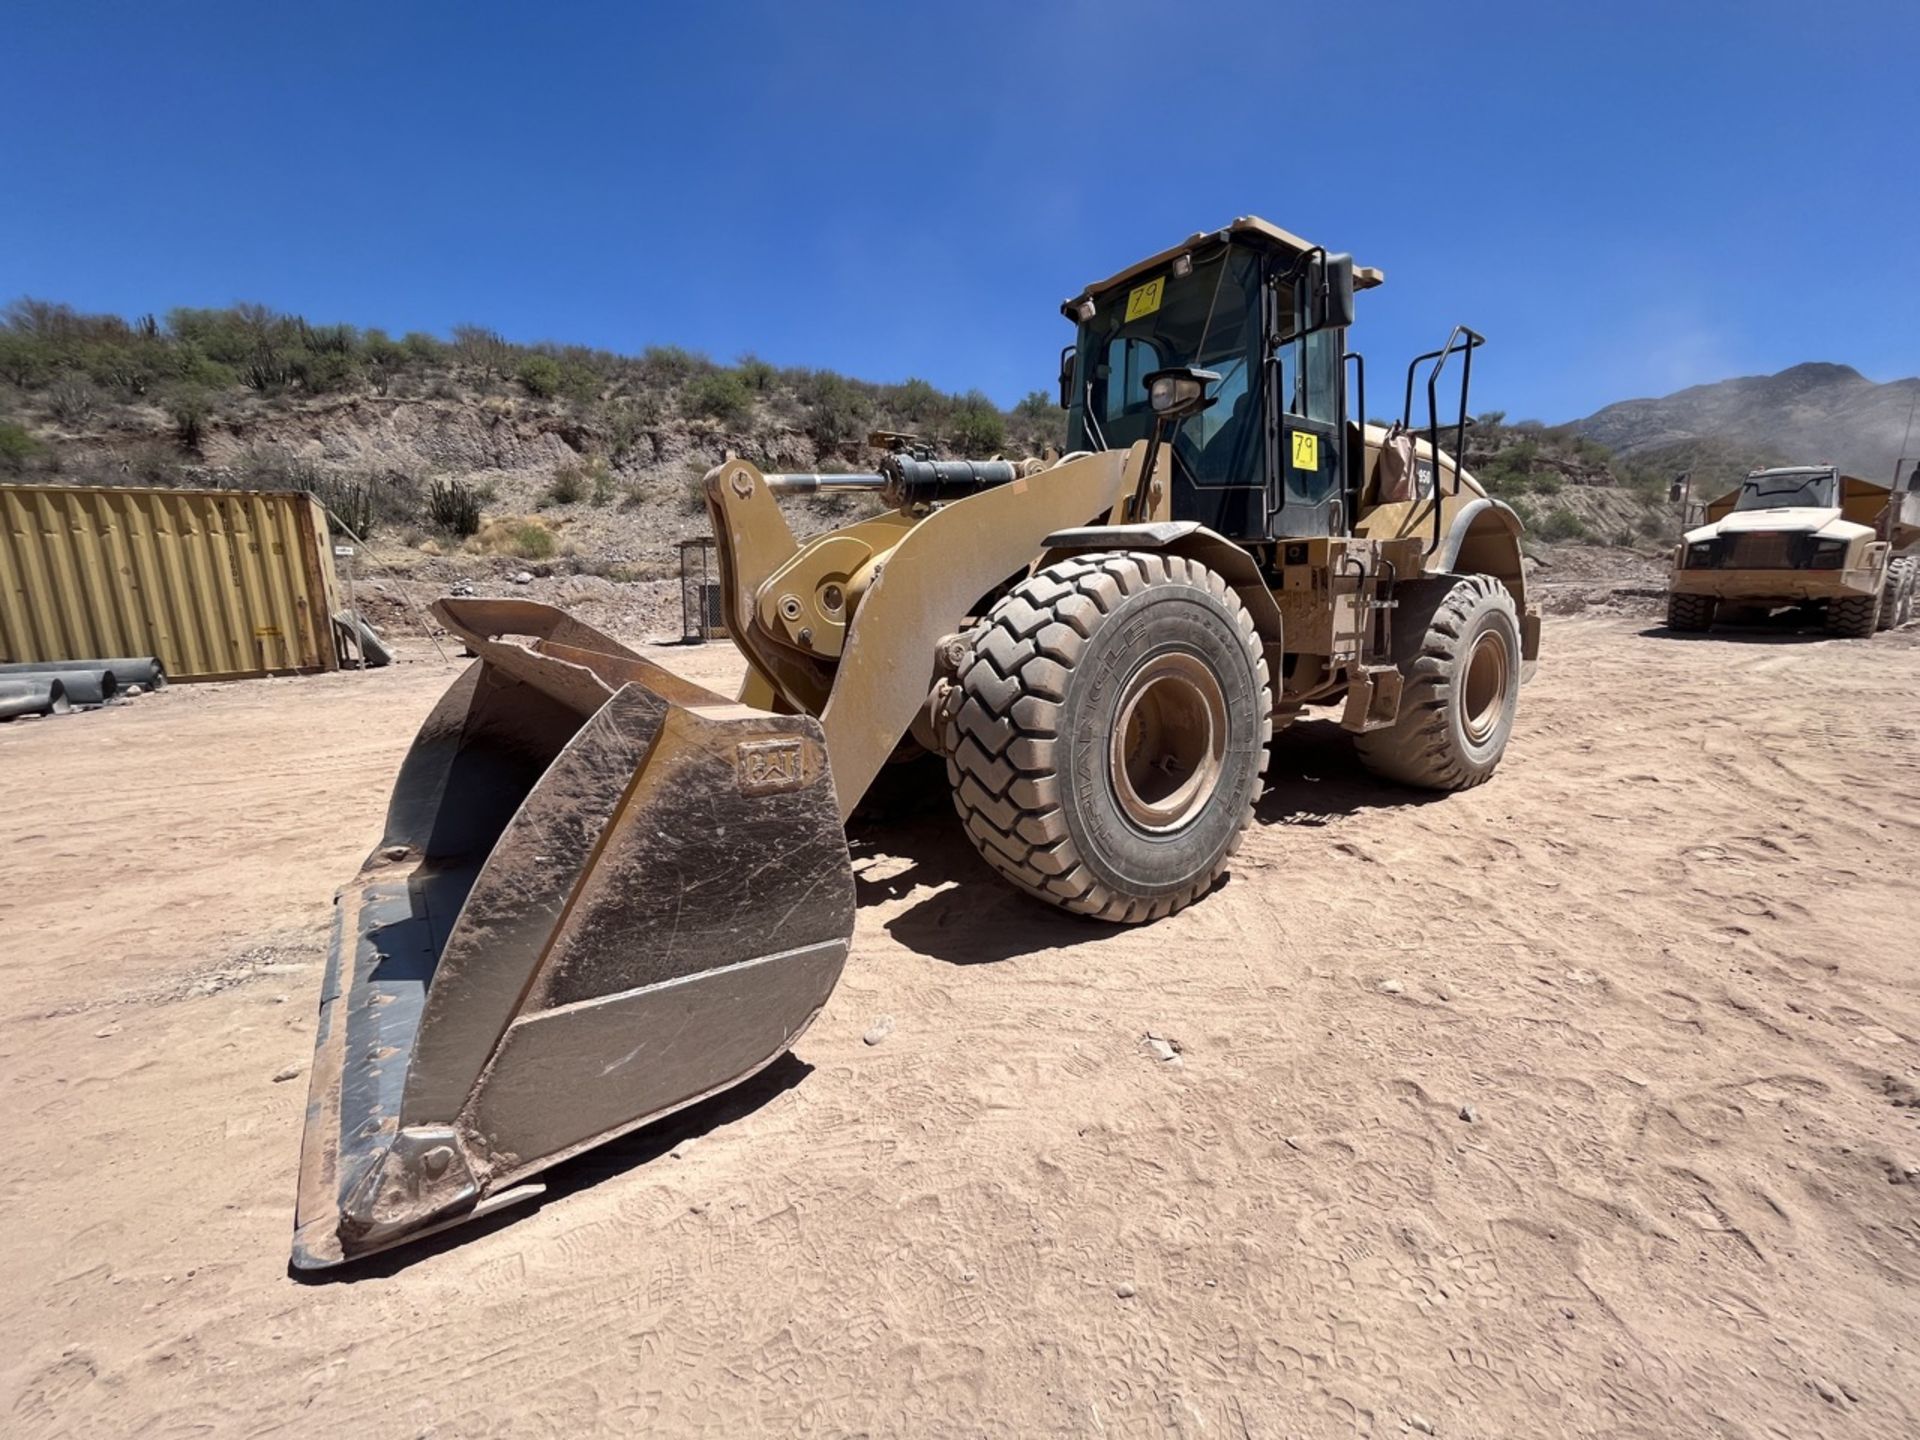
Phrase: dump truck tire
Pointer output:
(1854, 617)
(1462, 687)
(1691, 613)
(1107, 733)
(1896, 597)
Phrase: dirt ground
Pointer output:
(1585, 1103)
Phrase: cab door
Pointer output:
(1308, 462)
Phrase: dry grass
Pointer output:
(524, 537)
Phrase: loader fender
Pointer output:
(1194, 541)
(1484, 539)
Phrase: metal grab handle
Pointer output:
(1463, 342)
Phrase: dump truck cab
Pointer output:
(1804, 535)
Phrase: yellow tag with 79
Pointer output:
(1145, 299)
(1306, 450)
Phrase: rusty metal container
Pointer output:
(220, 584)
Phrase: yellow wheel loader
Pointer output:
(605, 893)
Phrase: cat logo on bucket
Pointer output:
(763, 767)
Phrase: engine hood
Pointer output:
(1788, 520)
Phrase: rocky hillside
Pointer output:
(1809, 413)
(1567, 487)
(470, 446)
(473, 458)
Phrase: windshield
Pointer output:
(1160, 321)
(1777, 492)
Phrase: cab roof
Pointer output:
(1250, 229)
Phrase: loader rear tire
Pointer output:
(1854, 617)
(1107, 733)
(1462, 688)
(1896, 596)
(1691, 613)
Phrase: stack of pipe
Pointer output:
(53, 687)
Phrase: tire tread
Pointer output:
(1013, 683)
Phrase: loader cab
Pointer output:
(1268, 314)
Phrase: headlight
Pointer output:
(1828, 554)
(1180, 390)
(1700, 553)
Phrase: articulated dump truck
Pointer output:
(605, 893)
(1805, 536)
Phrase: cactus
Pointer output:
(453, 506)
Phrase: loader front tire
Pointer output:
(1107, 733)
(1691, 614)
(1462, 685)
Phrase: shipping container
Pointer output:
(220, 584)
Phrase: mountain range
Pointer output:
(1807, 414)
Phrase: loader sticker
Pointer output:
(1306, 450)
(765, 767)
(1145, 299)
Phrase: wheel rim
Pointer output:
(1483, 689)
(1169, 744)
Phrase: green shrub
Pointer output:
(23, 360)
(915, 401)
(481, 348)
(1545, 483)
(17, 447)
(838, 413)
(324, 372)
(1562, 524)
(190, 410)
(72, 400)
(384, 359)
(756, 374)
(454, 507)
(977, 428)
(628, 421)
(422, 348)
(669, 364)
(571, 484)
(533, 541)
(541, 376)
(723, 395)
(581, 481)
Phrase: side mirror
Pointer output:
(1677, 491)
(1066, 376)
(1333, 296)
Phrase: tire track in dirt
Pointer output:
(1663, 962)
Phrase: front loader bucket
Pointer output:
(603, 894)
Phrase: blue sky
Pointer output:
(1626, 198)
